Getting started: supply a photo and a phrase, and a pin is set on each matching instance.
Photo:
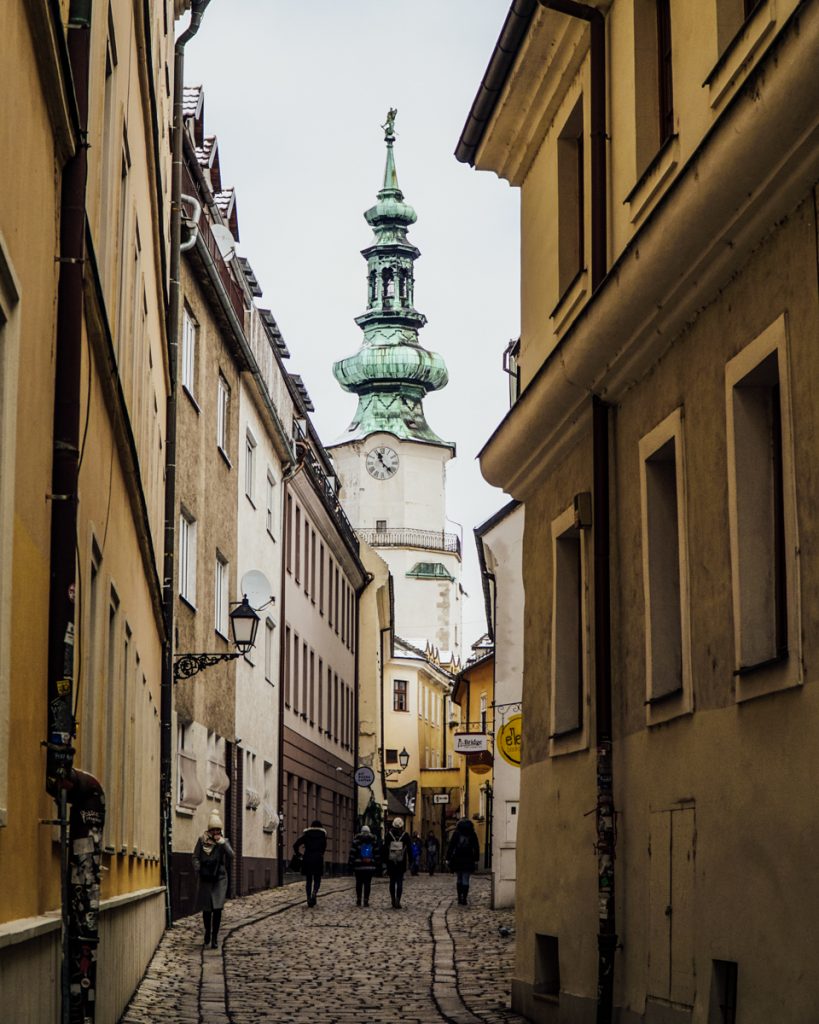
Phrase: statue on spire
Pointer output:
(389, 126)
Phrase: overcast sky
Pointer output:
(295, 93)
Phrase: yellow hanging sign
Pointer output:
(508, 740)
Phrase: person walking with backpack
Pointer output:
(313, 841)
(212, 857)
(364, 856)
(396, 858)
(462, 856)
(433, 850)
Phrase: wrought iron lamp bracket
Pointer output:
(187, 665)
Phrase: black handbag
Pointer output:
(295, 862)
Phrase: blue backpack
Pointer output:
(365, 852)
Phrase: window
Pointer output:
(306, 556)
(287, 668)
(312, 701)
(269, 817)
(222, 414)
(571, 199)
(723, 1003)
(483, 712)
(220, 596)
(381, 525)
(296, 648)
(665, 574)
(313, 566)
(269, 498)
(664, 71)
(547, 966)
(321, 578)
(320, 687)
(400, 697)
(111, 701)
(268, 650)
(764, 546)
(190, 331)
(250, 466)
(187, 557)
(569, 651)
(218, 781)
(392, 755)
(731, 16)
(288, 534)
(298, 544)
(189, 792)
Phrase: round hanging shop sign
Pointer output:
(508, 740)
(364, 776)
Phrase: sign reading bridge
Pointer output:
(470, 742)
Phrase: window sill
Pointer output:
(570, 742)
(768, 677)
(187, 603)
(571, 299)
(252, 502)
(738, 54)
(653, 178)
(661, 709)
(185, 812)
(219, 633)
(225, 456)
(270, 535)
(191, 399)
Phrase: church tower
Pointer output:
(391, 464)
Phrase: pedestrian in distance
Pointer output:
(433, 848)
(396, 859)
(416, 849)
(365, 854)
(212, 857)
(462, 856)
(311, 845)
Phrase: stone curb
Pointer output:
(445, 992)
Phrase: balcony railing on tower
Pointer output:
(429, 540)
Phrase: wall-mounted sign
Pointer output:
(508, 740)
(440, 798)
(470, 742)
(364, 776)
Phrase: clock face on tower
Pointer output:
(382, 463)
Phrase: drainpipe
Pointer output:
(168, 574)
(62, 781)
(597, 130)
(605, 813)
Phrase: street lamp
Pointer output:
(403, 760)
(244, 622)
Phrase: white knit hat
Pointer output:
(214, 821)
(366, 829)
(397, 822)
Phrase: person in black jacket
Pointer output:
(396, 858)
(462, 855)
(365, 855)
(313, 841)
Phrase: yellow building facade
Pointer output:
(119, 293)
(474, 693)
(664, 445)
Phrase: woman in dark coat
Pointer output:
(212, 857)
(396, 859)
(462, 855)
(365, 855)
(313, 843)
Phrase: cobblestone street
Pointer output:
(281, 962)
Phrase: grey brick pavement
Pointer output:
(284, 963)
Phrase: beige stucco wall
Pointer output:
(28, 236)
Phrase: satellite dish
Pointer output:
(225, 241)
(256, 586)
